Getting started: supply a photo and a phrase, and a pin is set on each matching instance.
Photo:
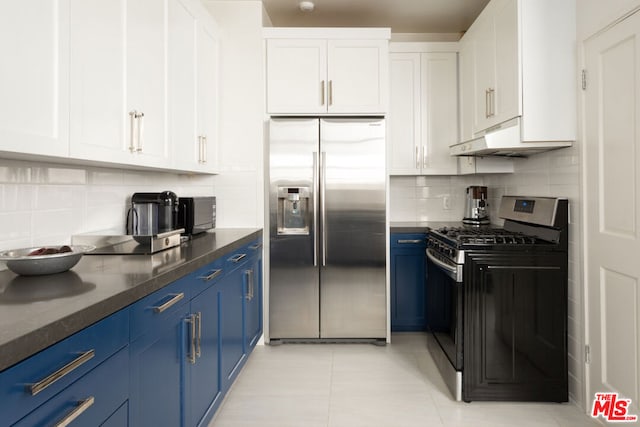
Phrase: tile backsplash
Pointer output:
(43, 203)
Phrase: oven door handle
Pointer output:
(455, 272)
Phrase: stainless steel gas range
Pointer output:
(497, 303)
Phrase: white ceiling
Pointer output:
(402, 16)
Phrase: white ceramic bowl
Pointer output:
(19, 261)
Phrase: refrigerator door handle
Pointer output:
(315, 209)
(323, 210)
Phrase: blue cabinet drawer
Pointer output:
(237, 258)
(152, 309)
(32, 382)
(89, 401)
(201, 279)
(406, 240)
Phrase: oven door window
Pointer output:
(445, 313)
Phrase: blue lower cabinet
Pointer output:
(408, 281)
(156, 372)
(91, 400)
(253, 297)
(203, 395)
(231, 306)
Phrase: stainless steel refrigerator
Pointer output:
(327, 215)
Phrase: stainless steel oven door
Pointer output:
(445, 306)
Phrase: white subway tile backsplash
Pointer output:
(15, 174)
(15, 226)
(17, 198)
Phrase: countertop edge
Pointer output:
(28, 344)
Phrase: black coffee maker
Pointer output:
(152, 213)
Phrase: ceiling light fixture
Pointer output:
(306, 6)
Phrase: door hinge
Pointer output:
(584, 79)
(587, 354)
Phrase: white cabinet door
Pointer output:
(183, 88)
(34, 77)
(439, 87)
(118, 65)
(404, 114)
(358, 76)
(497, 73)
(466, 96)
(296, 76)
(208, 96)
(147, 77)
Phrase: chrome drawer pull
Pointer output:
(237, 257)
(168, 304)
(409, 241)
(256, 246)
(212, 275)
(191, 357)
(66, 369)
(75, 413)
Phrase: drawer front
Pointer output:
(240, 257)
(35, 380)
(408, 240)
(153, 309)
(89, 401)
(201, 279)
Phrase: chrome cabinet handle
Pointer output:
(417, 157)
(256, 246)
(409, 241)
(192, 341)
(247, 293)
(199, 148)
(486, 104)
(330, 92)
(322, 92)
(424, 156)
(236, 258)
(76, 412)
(140, 118)
(199, 338)
(253, 283)
(168, 304)
(132, 135)
(204, 149)
(66, 369)
(212, 275)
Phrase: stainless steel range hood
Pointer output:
(506, 141)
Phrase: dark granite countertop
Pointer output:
(36, 312)
(420, 226)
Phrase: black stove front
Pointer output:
(497, 304)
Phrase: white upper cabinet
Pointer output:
(192, 87)
(34, 77)
(518, 61)
(118, 82)
(423, 114)
(327, 71)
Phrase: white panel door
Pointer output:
(404, 114)
(182, 61)
(34, 77)
(358, 76)
(147, 76)
(118, 65)
(296, 76)
(208, 95)
(439, 86)
(612, 210)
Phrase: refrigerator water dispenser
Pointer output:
(293, 210)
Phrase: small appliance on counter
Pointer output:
(151, 226)
(196, 214)
(475, 209)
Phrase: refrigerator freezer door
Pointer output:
(294, 277)
(352, 193)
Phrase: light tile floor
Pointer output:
(333, 385)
